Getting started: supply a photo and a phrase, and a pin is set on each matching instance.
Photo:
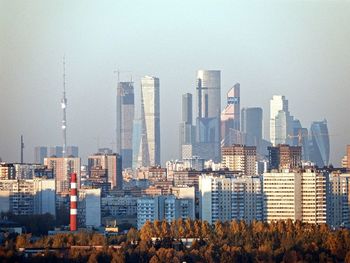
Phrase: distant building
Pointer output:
(186, 128)
(110, 162)
(150, 115)
(252, 123)
(136, 144)
(40, 152)
(125, 117)
(54, 151)
(89, 207)
(296, 196)
(208, 135)
(224, 198)
(240, 158)
(7, 171)
(230, 116)
(320, 146)
(339, 200)
(62, 169)
(72, 151)
(162, 207)
(28, 197)
(284, 157)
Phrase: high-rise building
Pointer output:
(62, 169)
(150, 115)
(110, 162)
(339, 200)
(7, 171)
(162, 207)
(296, 196)
(136, 142)
(208, 119)
(72, 151)
(230, 116)
(240, 158)
(348, 157)
(284, 157)
(55, 151)
(227, 198)
(40, 152)
(186, 128)
(320, 146)
(280, 120)
(252, 125)
(89, 207)
(125, 117)
(28, 197)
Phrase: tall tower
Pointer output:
(125, 117)
(150, 114)
(230, 116)
(208, 118)
(64, 106)
(320, 145)
(73, 202)
(186, 129)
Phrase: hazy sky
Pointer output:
(300, 49)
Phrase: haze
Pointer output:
(299, 49)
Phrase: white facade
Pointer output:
(150, 114)
(89, 206)
(226, 198)
(296, 196)
(28, 197)
(279, 120)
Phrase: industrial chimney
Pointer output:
(73, 202)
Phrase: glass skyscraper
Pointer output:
(319, 143)
(125, 117)
(150, 115)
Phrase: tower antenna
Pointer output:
(64, 106)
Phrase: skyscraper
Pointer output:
(320, 146)
(136, 142)
(186, 129)
(209, 108)
(62, 169)
(252, 119)
(40, 152)
(230, 116)
(125, 117)
(280, 120)
(150, 115)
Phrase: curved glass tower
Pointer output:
(320, 146)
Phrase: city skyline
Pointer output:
(36, 92)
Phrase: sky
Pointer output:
(299, 49)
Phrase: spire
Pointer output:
(64, 106)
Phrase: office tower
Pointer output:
(252, 123)
(284, 157)
(227, 198)
(339, 200)
(89, 207)
(110, 162)
(72, 151)
(55, 151)
(296, 196)
(280, 120)
(40, 152)
(320, 146)
(28, 197)
(208, 118)
(230, 116)
(150, 115)
(62, 169)
(239, 158)
(136, 143)
(186, 129)
(125, 117)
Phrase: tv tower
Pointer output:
(64, 106)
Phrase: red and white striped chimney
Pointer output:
(73, 202)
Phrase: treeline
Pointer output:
(235, 241)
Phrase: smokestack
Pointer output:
(73, 202)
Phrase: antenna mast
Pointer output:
(64, 106)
